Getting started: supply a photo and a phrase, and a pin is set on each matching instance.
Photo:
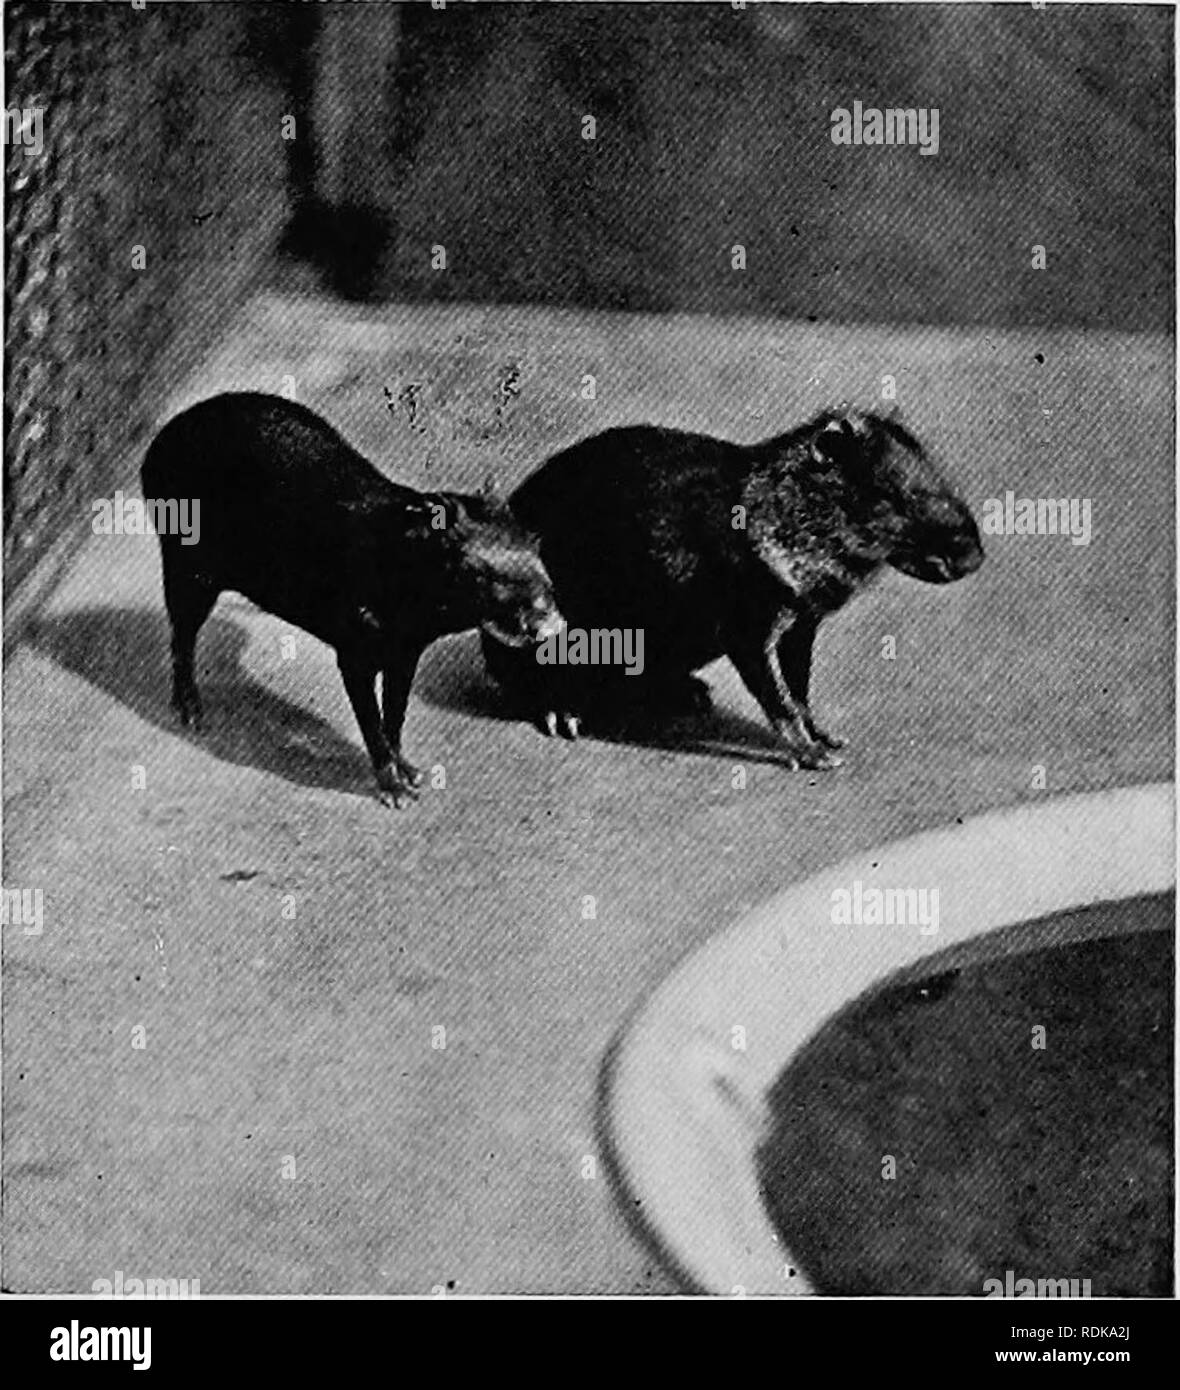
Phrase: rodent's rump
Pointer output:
(714, 548)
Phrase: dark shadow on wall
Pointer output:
(712, 130)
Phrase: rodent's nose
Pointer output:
(550, 625)
(970, 560)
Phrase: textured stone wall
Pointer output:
(161, 130)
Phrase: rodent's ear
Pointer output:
(841, 438)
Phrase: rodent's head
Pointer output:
(504, 584)
(923, 526)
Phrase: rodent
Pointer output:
(296, 520)
(713, 548)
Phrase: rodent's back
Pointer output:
(263, 448)
(639, 465)
(636, 507)
(635, 530)
(289, 511)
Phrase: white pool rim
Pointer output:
(686, 1099)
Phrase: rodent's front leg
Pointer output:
(360, 681)
(794, 654)
(757, 658)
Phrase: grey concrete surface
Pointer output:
(271, 1038)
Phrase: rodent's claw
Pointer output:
(408, 772)
(825, 760)
(827, 739)
(190, 714)
(398, 799)
(392, 790)
(553, 721)
(811, 759)
(800, 752)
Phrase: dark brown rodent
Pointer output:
(295, 519)
(713, 548)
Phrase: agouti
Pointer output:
(293, 518)
(710, 548)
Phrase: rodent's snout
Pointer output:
(943, 569)
(968, 560)
(531, 622)
(942, 558)
(544, 620)
(963, 552)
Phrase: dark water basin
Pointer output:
(922, 1143)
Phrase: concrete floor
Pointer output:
(271, 1038)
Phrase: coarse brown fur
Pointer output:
(295, 519)
(713, 548)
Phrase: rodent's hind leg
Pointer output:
(189, 601)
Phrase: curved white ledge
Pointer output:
(687, 1105)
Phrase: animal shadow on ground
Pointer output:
(452, 676)
(125, 652)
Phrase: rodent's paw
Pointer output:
(813, 759)
(823, 736)
(800, 753)
(190, 713)
(392, 791)
(553, 721)
(408, 772)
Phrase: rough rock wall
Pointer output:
(161, 129)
